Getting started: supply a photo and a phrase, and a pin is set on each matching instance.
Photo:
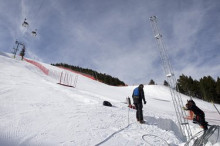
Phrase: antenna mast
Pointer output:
(176, 97)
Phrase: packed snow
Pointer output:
(35, 110)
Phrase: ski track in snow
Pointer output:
(35, 110)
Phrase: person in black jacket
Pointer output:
(199, 114)
(138, 96)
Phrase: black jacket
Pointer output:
(197, 111)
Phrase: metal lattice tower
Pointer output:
(17, 48)
(176, 97)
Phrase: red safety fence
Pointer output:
(41, 67)
(86, 75)
(65, 79)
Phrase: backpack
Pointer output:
(135, 95)
(136, 92)
(107, 103)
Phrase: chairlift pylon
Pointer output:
(25, 23)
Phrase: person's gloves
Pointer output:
(184, 108)
(145, 102)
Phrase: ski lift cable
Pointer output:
(34, 12)
(34, 33)
(38, 10)
(25, 22)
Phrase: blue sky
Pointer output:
(115, 36)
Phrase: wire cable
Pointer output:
(163, 140)
(128, 116)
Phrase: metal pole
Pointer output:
(168, 70)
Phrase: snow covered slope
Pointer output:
(35, 110)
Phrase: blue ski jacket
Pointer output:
(138, 95)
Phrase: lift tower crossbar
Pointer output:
(176, 96)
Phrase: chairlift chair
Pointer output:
(25, 23)
(34, 33)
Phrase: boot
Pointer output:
(142, 121)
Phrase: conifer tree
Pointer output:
(165, 83)
(218, 90)
(151, 82)
(208, 88)
(182, 84)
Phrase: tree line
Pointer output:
(105, 78)
(206, 88)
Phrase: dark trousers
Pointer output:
(201, 121)
(139, 113)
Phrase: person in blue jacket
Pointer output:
(138, 96)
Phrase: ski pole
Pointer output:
(215, 107)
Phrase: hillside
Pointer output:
(35, 110)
